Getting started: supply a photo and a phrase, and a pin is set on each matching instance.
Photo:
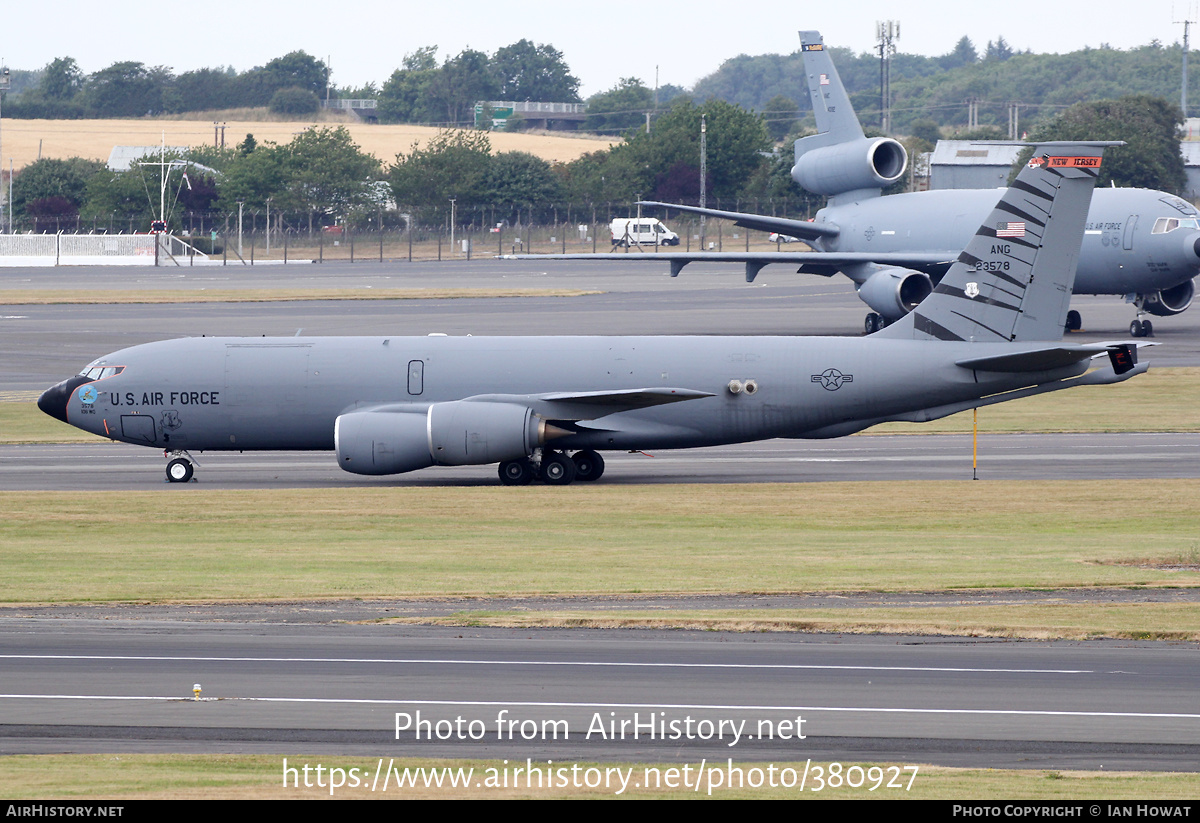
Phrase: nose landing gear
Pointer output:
(1140, 327)
(180, 468)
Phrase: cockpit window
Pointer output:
(1167, 224)
(101, 372)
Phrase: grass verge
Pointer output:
(244, 777)
(1127, 621)
(173, 543)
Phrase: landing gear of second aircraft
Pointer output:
(1141, 328)
(874, 323)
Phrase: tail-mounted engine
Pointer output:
(868, 163)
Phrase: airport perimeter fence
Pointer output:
(214, 237)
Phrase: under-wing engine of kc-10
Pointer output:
(547, 406)
(1139, 243)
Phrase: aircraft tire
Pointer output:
(179, 470)
(1147, 328)
(1141, 328)
(873, 323)
(1074, 320)
(589, 465)
(557, 469)
(516, 472)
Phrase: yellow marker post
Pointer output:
(975, 443)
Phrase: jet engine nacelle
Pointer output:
(894, 292)
(469, 432)
(459, 433)
(382, 442)
(869, 163)
(1172, 301)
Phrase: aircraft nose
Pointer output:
(54, 399)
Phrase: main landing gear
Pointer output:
(554, 469)
(874, 323)
(180, 468)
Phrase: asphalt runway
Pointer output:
(120, 682)
(107, 466)
(320, 689)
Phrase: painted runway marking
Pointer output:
(583, 663)
(366, 701)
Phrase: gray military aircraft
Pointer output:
(991, 331)
(1139, 243)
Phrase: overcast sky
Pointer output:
(605, 41)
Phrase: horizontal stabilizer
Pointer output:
(1122, 354)
(1043, 359)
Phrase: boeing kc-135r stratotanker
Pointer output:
(545, 407)
(1142, 244)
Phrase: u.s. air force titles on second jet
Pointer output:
(1139, 243)
(546, 407)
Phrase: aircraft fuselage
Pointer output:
(286, 393)
(1120, 253)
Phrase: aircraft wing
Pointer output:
(935, 263)
(594, 404)
(802, 229)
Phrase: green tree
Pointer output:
(326, 173)
(458, 85)
(452, 164)
(963, 54)
(601, 177)
(207, 89)
(253, 178)
(61, 79)
(927, 131)
(534, 72)
(1148, 125)
(296, 69)
(518, 180)
(736, 143)
(403, 96)
(128, 89)
(53, 187)
(620, 108)
(294, 101)
(780, 114)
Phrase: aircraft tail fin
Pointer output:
(1013, 281)
(839, 160)
(830, 102)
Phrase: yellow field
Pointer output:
(94, 139)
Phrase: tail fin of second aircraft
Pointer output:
(840, 160)
(1014, 279)
(831, 105)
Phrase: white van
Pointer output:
(628, 231)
